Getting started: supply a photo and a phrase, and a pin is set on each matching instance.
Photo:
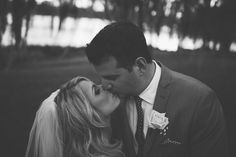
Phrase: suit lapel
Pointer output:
(153, 135)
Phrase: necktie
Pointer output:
(139, 135)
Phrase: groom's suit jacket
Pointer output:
(196, 122)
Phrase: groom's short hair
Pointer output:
(122, 40)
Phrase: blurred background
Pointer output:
(42, 46)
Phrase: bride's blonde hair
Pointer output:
(67, 125)
(85, 132)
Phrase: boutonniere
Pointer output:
(158, 121)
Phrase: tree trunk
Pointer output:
(18, 12)
(3, 18)
(225, 46)
(140, 13)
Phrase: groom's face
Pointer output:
(116, 79)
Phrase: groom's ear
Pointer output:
(140, 65)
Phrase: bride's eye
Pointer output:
(97, 90)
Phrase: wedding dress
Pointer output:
(45, 138)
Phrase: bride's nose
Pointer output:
(100, 87)
(106, 86)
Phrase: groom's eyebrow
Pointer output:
(111, 77)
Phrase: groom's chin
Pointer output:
(121, 96)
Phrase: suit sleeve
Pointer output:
(208, 132)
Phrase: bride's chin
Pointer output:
(116, 100)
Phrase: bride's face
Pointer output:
(104, 101)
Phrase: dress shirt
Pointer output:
(148, 97)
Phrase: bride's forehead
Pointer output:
(85, 83)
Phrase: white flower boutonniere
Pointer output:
(158, 120)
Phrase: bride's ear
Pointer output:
(141, 65)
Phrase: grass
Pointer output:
(42, 70)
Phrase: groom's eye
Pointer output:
(111, 77)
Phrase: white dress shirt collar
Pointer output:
(149, 93)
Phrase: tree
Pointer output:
(18, 12)
(30, 6)
(3, 17)
(212, 22)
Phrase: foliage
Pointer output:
(19, 10)
(212, 21)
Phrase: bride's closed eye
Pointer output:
(96, 90)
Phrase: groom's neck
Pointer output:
(147, 77)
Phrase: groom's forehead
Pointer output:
(109, 65)
(108, 70)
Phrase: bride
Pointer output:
(74, 122)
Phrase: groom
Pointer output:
(166, 114)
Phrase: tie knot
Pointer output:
(138, 99)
